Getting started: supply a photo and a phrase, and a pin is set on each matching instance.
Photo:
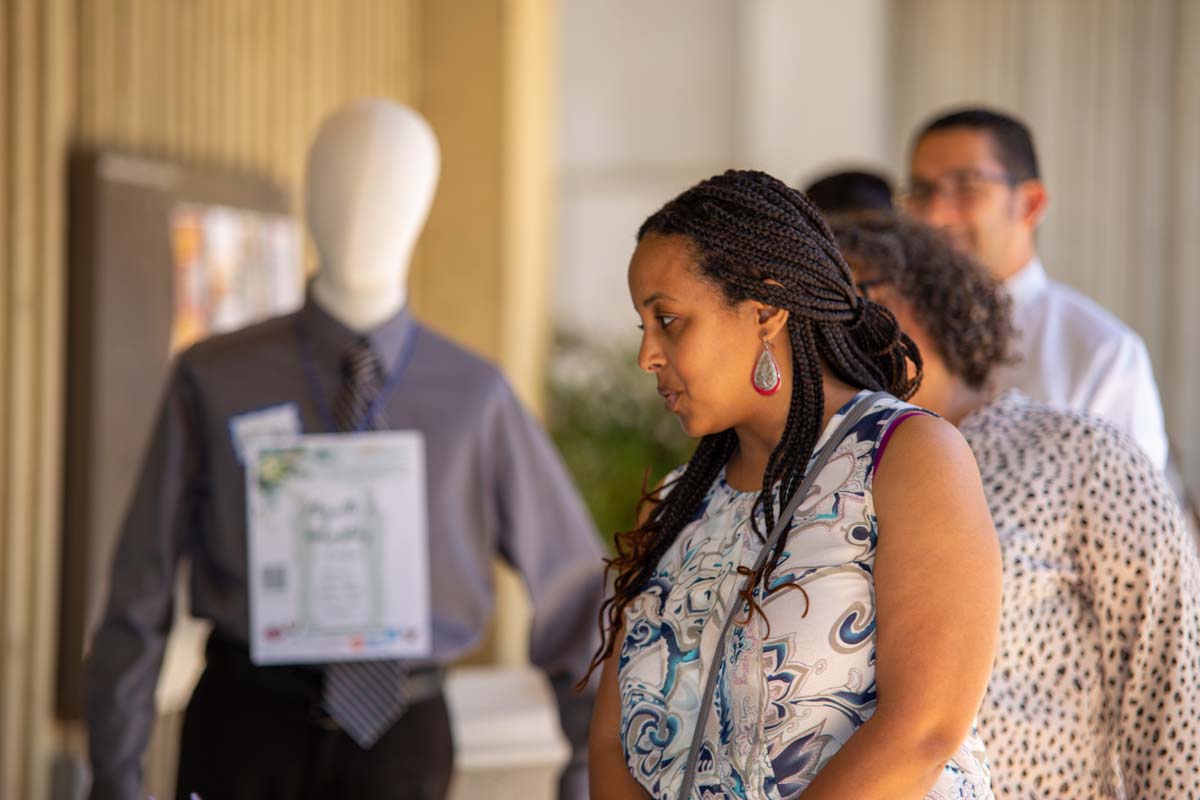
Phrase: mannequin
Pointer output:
(494, 486)
(372, 172)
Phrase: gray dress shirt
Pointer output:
(495, 483)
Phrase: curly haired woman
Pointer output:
(1094, 693)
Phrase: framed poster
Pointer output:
(161, 254)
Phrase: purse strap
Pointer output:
(852, 418)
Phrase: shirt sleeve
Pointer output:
(1140, 564)
(1126, 394)
(127, 652)
(547, 535)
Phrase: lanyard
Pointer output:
(304, 349)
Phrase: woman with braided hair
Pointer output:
(810, 605)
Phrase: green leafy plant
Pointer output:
(608, 421)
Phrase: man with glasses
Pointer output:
(974, 175)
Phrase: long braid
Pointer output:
(756, 238)
(702, 469)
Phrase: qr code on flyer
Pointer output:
(275, 578)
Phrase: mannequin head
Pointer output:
(372, 172)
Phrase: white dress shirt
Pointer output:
(1076, 355)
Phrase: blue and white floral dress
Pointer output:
(788, 696)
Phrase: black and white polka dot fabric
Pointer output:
(1096, 687)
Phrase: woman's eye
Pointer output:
(665, 320)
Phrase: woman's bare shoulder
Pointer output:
(926, 456)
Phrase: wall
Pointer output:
(242, 85)
(655, 97)
(813, 86)
(647, 99)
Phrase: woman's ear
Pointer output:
(771, 319)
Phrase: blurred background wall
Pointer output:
(563, 124)
(656, 96)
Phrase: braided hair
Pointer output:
(755, 238)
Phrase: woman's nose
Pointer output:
(649, 355)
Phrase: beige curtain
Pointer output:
(1111, 89)
(36, 95)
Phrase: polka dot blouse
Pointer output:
(1096, 687)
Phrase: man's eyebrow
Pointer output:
(656, 296)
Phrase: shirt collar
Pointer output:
(331, 339)
(1028, 282)
(1005, 405)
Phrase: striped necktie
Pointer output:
(364, 697)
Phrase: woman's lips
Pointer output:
(670, 398)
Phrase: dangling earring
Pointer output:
(766, 378)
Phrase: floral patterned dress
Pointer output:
(789, 694)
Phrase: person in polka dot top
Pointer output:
(1096, 687)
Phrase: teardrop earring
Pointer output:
(766, 378)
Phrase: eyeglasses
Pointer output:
(864, 287)
(960, 186)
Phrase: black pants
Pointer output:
(257, 733)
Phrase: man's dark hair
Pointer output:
(853, 190)
(1011, 138)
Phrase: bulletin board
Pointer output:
(161, 254)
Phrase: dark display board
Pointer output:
(133, 295)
